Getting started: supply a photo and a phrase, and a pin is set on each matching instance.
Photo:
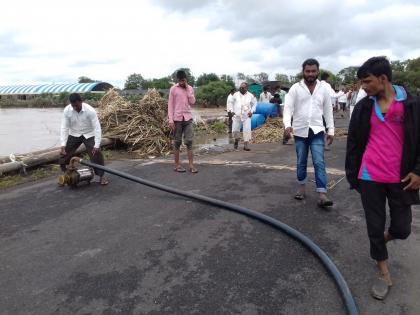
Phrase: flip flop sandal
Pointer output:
(380, 289)
(299, 196)
(180, 169)
(193, 170)
(325, 203)
(104, 181)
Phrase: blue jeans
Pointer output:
(316, 144)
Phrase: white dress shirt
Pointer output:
(242, 104)
(85, 123)
(307, 109)
(265, 98)
(332, 92)
(361, 94)
(342, 97)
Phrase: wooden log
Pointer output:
(47, 157)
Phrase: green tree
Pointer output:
(282, 78)
(206, 78)
(134, 81)
(397, 65)
(407, 74)
(260, 77)
(227, 78)
(162, 83)
(348, 75)
(190, 77)
(84, 79)
(333, 79)
(213, 93)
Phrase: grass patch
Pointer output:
(32, 175)
(218, 126)
(105, 152)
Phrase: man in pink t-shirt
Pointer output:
(383, 161)
(181, 97)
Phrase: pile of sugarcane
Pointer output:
(271, 131)
(340, 132)
(142, 126)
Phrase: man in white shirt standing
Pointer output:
(308, 101)
(243, 105)
(80, 124)
(265, 96)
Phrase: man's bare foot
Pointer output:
(388, 237)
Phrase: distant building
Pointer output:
(26, 91)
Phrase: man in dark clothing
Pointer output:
(276, 100)
(383, 160)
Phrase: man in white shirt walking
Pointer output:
(243, 104)
(308, 101)
(265, 96)
(80, 124)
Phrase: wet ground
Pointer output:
(129, 249)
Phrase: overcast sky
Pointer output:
(57, 41)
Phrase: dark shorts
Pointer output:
(183, 129)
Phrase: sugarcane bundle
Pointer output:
(271, 131)
(142, 125)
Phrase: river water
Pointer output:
(24, 130)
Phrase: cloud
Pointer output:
(87, 63)
(328, 30)
(108, 41)
(9, 47)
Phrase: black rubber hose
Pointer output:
(349, 302)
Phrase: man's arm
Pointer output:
(352, 154)
(229, 104)
(253, 104)
(97, 129)
(171, 105)
(328, 113)
(289, 105)
(64, 131)
(191, 97)
(412, 180)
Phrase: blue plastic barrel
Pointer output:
(266, 109)
(257, 120)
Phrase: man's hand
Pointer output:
(413, 181)
(249, 114)
(172, 126)
(63, 151)
(330, 139)
(95, 151)
(288, 132)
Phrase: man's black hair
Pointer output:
(75, 97)
(180, 75)
(265, 88)
(233, 90)
(310, 62)
(375, 66)
(325, 76)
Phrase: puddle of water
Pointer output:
(207, 141)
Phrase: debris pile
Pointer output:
(142, 126)
(271, 131)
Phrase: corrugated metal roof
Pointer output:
(49, 88)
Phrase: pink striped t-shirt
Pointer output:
(381, 160)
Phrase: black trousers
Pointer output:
(73, 143)
(374, 197)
